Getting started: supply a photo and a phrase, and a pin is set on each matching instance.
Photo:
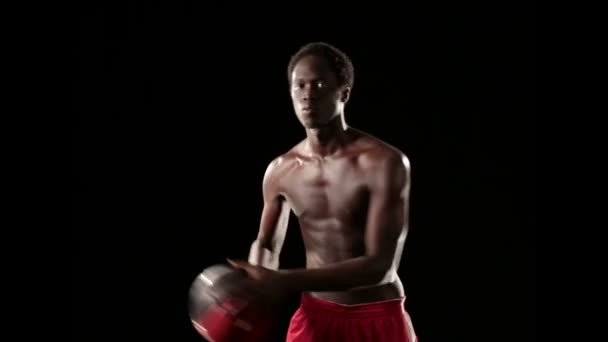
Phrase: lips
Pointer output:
(307, 108)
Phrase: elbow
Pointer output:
(379, 270)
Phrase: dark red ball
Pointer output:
(226, 306)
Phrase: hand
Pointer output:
(255, 272)
(267, 280)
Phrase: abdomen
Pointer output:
(328, 241)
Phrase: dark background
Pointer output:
(451, 85)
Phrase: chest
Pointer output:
(319, 190)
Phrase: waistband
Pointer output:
(366, 310)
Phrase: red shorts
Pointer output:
(318, 320)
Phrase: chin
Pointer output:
(312, 124)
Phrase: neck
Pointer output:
(327, 140)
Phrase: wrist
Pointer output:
(284, 280)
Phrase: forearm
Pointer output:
(263, 256)
(361, 271)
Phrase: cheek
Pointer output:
(329, 103)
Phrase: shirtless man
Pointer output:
(350, 192)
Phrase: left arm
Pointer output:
(386, 226)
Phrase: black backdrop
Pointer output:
(177, 116)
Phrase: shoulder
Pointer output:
(378, 155)
(384, 163)
(277, 172)
(278, 166)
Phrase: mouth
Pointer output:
(308, 105)
(307, 109)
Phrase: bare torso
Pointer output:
(330, 198)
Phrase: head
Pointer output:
(320, 79)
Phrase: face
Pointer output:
(315, 93)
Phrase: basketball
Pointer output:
(225, 306)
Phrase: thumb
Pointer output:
(239, 265)
(235, 263)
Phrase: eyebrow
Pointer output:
(316, 79)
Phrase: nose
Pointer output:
(309, 93)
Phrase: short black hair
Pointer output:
(338, 61)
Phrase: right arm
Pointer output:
(265, 250)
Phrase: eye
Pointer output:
(320, 84)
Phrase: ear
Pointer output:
(345, 94)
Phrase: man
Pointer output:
(350, 192)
